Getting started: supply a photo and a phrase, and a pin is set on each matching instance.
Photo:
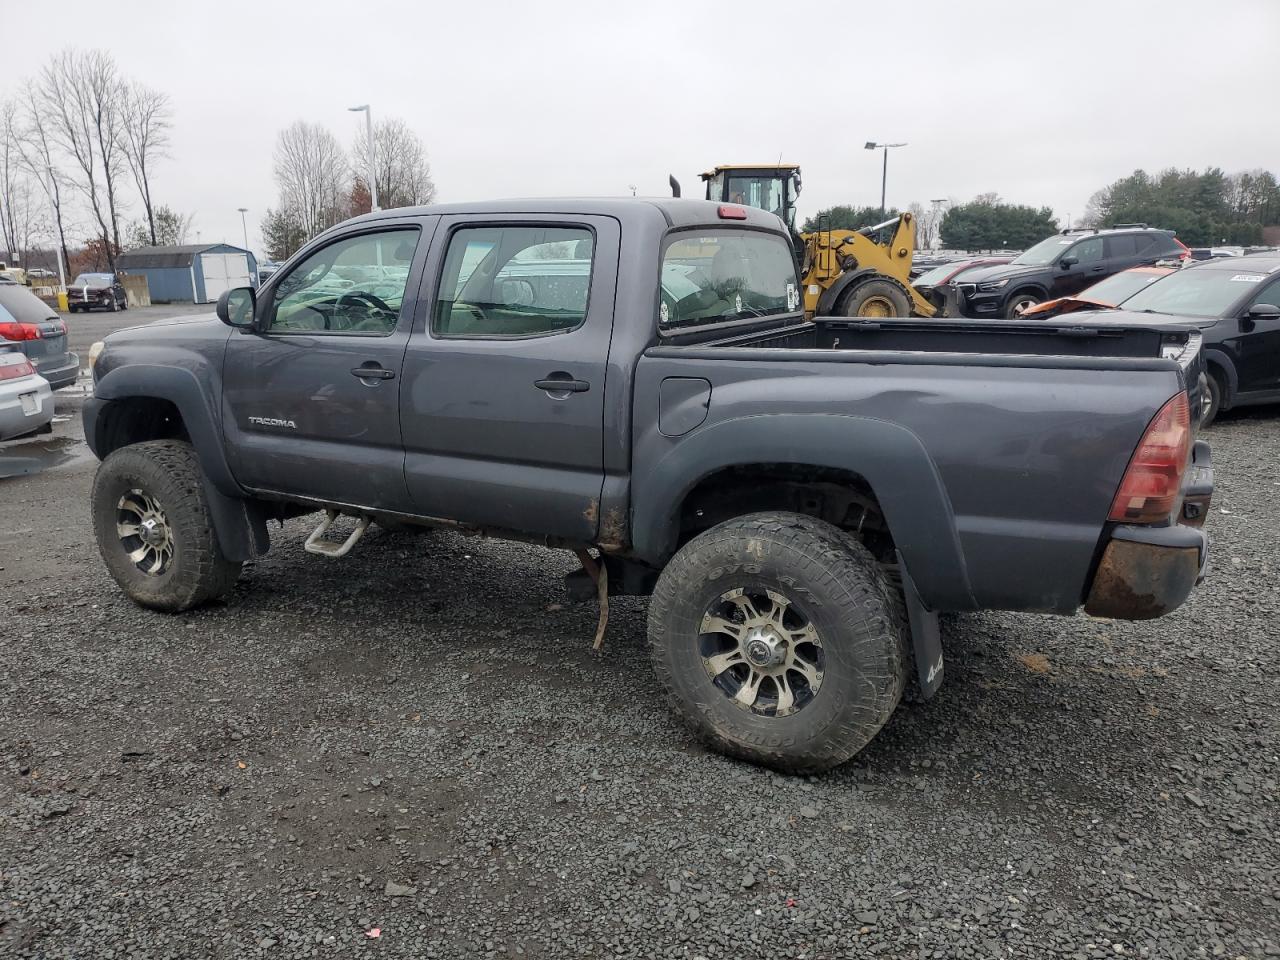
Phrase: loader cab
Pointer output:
(770, 188)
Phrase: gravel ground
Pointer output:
(417, 742)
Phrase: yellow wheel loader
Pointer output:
(844, 272)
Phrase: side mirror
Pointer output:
(236, 307)
(1262, 311)
(1066, 263)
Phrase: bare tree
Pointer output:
(144, 137)
(10, 174)
(310, 169)
(81, 93)
(30, 133)
(401, 170)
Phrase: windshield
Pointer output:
(1196, 292)
(1119, 287)
(92, 280)
(1046, 251)
(764, 193)
(726, 275)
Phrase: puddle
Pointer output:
(37, 456)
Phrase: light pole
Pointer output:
(884, 177)
(57, 252)
(368, 127)
(244, 226)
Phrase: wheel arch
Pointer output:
(1218, 361)
(166, 388)
(891, 460)
(132, 404)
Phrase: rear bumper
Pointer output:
(63, 375)
(15, 420)
(1146, 572)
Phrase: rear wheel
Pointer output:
(779, 641)
(1018, 304)
(876, 298)
(153, 527)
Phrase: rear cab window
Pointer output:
(718, 276)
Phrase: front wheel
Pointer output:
(1018, 305)
(153, 527)
(1210, 399)
(779, 641)
(877, 299)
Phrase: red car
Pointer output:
(930, 282)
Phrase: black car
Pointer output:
(1236, 303)
(101, 290)
(1062, 265)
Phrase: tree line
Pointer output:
(320, 184)
(81, 140)
(1202, 208)
(1205, 208)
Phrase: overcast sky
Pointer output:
(1041, 102)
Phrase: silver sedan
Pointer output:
(26, 401)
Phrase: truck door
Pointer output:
(502, 406)
(311, 398)
(1259, 344)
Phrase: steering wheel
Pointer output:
(371, 303)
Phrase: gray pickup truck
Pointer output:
(635, 377)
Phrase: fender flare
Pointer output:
(890, 457)
(1219, 359)
(239, 521)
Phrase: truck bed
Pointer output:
(1015, 434)
(971, 338)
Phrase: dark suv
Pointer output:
(1062, 265)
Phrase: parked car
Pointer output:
(96, 290)
(14, 273)
(1103, 295)
(26, 400)
(1236, 303)
(932, 283)
(35, 328)
(800, 498)
(40, 273)
(1063, 265)
(1213, 253)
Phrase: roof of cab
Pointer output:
(678, 212)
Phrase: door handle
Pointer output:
(372, 372)
(562, 385)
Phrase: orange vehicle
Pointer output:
(1103, 295)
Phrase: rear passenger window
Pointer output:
(1125, 246)
(514, 282)
(725, 275)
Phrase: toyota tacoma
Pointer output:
(636, 378)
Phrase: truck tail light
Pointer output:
(20, 331)
(1151, 485)
(730, 212)
(11, 370)
(1185, 253)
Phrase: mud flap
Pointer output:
(926, 637)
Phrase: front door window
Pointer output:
(354, 287)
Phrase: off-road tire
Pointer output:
(168, 471)
(1023, 298)
(837, 585)
(885, 291)
(1210, 413)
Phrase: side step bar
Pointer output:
(327, 548)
